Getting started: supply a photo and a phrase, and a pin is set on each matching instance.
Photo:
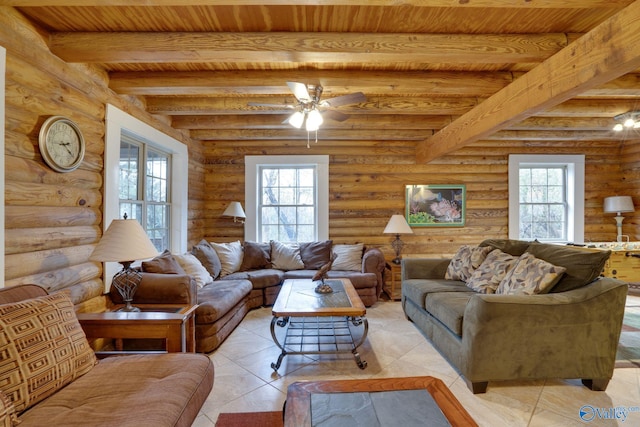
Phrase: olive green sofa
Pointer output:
(572, 331)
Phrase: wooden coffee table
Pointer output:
(174, 323)
(297, 411)
(318, 323)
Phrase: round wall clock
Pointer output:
(61, 144)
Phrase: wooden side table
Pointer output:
(174, 323)
(393, 287)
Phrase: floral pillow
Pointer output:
(465, 261)
(529, 276)
(486, 278)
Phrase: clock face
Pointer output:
(61, 144)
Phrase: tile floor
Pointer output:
(245, 381)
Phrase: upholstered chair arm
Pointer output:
(373, 262)
(156, 288)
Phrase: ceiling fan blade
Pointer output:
(258, 104)
(352, 98)
(335, 115)
(300, 91)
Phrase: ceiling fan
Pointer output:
(310, 110)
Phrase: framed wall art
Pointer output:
(435, 205)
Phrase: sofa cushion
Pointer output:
(159, 390)
(448, 308)
(230, 255)
(530, 276)
(315, 254)
(286, 256)
(259, 279)
(582, 266)
(164, 263)
(8, 417)
(256, 256)
(208, 257)
(510, 246)
(348, 257)
(218, 298)
(194, 268)
(486, 278)
(465, 261)
(43, 348)
(417, 290)
(358, 280)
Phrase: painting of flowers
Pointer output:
(435, 205)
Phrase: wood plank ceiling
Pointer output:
(442, 73)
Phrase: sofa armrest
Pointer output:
(157, 288)
(530, 336)
(373, 262)
(424, 268)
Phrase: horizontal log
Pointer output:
(27, 170)
(34, 194)
(23, 240)
(315, 47)
(32, 263)
(50, 216)
(60, 279)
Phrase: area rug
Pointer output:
(628, 355)
(250, 419)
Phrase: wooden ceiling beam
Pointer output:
(510, 4)
(301, 134)
(316, 47)
(610, 50)
(268, 82)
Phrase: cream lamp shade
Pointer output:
(397, 225)
(235, 210)
(124, 240)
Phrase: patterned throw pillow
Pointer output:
(348, 257)
(530, 276)
(286, 256)
(43, 348)
(230, 255)
(465, 261)
(8, 417)
(486, 278)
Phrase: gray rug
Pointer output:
(628, 355)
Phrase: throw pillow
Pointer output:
(530, 276)
(583, 267)
(164, 263)
(510, 246)
(8, 417)
(315, 254)
(256, 256)
(286, 256)
(194, 268)
(348, 257)
(43, 348)
(208, 257)
(230, 255)
(465, 261)
(486, 278)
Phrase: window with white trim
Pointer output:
(546, 198)
(144, 189)
(286, 198)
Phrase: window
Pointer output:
(144, 188)
(546, 198)
(286, 198)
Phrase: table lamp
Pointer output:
(618, 205)
(397, 225)
(235, 210)
(124, 241)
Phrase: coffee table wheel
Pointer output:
(362, 364)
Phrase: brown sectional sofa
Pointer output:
(569, 330)
(51, 376)
(223, 302)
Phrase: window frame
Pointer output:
(117, 122)
(252, 176)
(574, 164)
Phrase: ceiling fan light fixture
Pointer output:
(314, 120)
(618, 127)
(629, 123)
(296, 119)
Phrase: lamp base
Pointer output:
(126, 281)
(397, 260)
(128, 308)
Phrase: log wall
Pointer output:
(53, 220)
(367, 181)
